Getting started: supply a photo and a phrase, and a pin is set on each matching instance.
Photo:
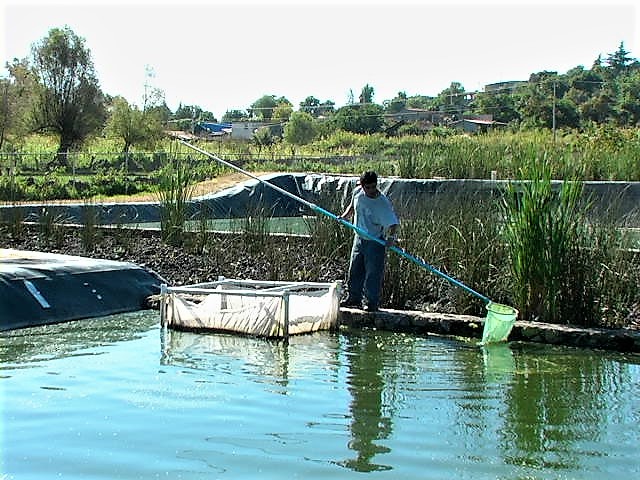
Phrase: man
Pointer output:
(374, 214)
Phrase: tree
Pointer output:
(131, 125)
(315, 108)
(263, 138)
(70, 102)
(5, 116)
(234, 116)
(421, 101)
(619, 61)
(282, 112)
(16, 100)
(300, 129)
(153, 98)
(366, 95)
(396, 104)
(599, 107)
(567, 114)
(187, 117)
(263, 107)
(452, 99)
(501, 106)
(193, 112)
(628, 107)
(535, 104)
(184, 111)
(310, 105)
(359, 118)
(163, 112)
(326, 108)
(585, 88)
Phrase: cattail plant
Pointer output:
(548, 240)
(175, 191)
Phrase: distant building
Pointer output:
(477, 124)
(244, 130)
(212, 129)
(504, 87)
(409, 115)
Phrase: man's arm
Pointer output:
(348, 212)
(391, 235)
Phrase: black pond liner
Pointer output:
(42, 288)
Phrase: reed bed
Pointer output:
(537, 247)
(566, 265)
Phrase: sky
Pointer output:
(225, 54)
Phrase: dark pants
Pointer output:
(366, 271)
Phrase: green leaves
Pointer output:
(70, 102)
(175, 190)
(300, 129)
(131, 125)
(548, 239)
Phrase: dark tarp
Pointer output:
(130, 213)
(42, 288)
(327, 191)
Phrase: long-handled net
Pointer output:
(500, 318)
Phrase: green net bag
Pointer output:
(499, 322)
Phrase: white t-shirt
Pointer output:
(373, 215)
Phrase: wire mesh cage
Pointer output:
(252, 307)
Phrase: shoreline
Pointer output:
(623, 340)
(181, 266)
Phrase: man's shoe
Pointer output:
(350, 304)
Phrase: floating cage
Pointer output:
(251, 307)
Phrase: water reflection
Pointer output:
(322, 405)
(498, 362)
(270, 358)
(369, 424)
(281, 361)
(48, 342)
(557, 405)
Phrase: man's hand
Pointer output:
(390, 241)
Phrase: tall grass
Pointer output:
(202, 237)
(89, 218)
(329, 237)
(566, 266)
(13, 217)
(51, 226)
(175, 191)
(255, 228)
(456, 235)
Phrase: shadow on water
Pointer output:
(370, 424)
(50, 342)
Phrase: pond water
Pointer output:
(118, 397)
